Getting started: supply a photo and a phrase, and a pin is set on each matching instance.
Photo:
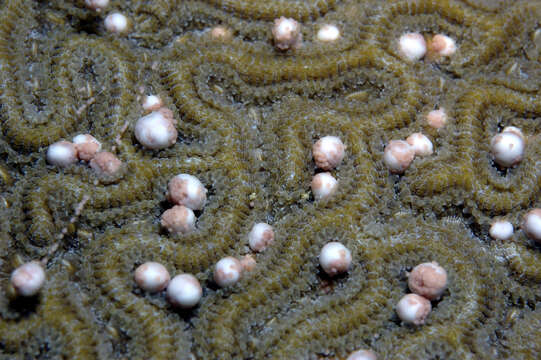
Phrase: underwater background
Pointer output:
(247, 118)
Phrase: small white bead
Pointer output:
(152, 277)
(398, 156)
(152, 103)
(442, 45)
(97, 5)
(116, 23)
(260, 237)
(437, 118)
(87, 146)
(532, 224)
(412, 46)
(286, 33)
(420, 144)
(62, 153)
(328, 33)
(335, 258)
(413, 309)
(507, 149)
(227, 271)
(184, 291)
(179, 220)
(362, 355)
(501, 230)
(156, 130)
(328, 152)
(324, 185)
(187, 190)
(428, 280)
(28, 278)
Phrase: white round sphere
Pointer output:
(178, 220)
(87, 146)
(227, 271)
(62, 153)
(515, 130)
(187, 190)
(97, 5)
(412, 46)
(437, 118)
(328, 152)
(442, 45)
(116, 23)
(156, 131)
(328, 33)
(501, 230)
(184, 291)
(152, 277)
(152, 103)
(286, 33)
(362, 355)
(398, 156)
(335, 258)
(507, 149)
(428, 280)
(532, 224)
(28, 278)
(324, 185)
(413, 309)
(260, 237)
(422, 146)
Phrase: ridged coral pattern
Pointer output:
(247, 118)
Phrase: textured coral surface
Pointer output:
(247, 118)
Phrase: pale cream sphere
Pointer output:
(62, 153)
(248, 263)
(442, 45)
(398, 156)
(227, 272)
(328, 152)
(105, 163)
(152, 277)
(28, 279)
(532, 224)
(152, 103)
(437, 118)
(413, 309)
(96, 5)
(116, 23)
(362, 355)
(324, 185)
(501, 230)
(87, 146)
(515, 130)
(412, 46)
(335, 258)
(286, 33)
(328, 33)
(421, 144)
(507, 149)
(187, 190)
(428, 280)
(179, 220)
(260, 237)
(156, 130)
(184, 291)
(221, 32)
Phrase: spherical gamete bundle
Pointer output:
(324, 185)
(328, 33)
(335, 258)
(156, 130)
(428, 280)
(178, 220)
(187, 190)
(412, 46)
(441, 45)
(152, 277)
(532, 224)
(87, 146)
(152, 103)
(184, 291)
(96, 5)
(28, 279)
(437, 118)
(227, 271)
(507, 148)
(260, 237)
(362, 355)
(62, 153)
(286, 33)
(398, 156)
(328, 152)
(421, 144)
(116, 23)
(413, 309)
(501, 230)
(105, 163)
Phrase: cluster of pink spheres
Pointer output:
(399, 154)
(413, 46)
(188, 194)
(427, 282)
(85, 148)
(328, 153)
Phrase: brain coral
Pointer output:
(247, 118)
